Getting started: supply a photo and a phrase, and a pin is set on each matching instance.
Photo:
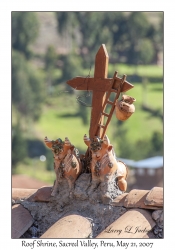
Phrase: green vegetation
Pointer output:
(64, 117)
(44, 105)
(140, 70)
(142, 123)
(34, 168)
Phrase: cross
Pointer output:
(100, 85)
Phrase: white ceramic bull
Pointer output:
(66, 162)
(104, 163)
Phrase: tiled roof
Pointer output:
(21, 220)
(141, 206)
(146, 199)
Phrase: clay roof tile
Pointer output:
(147, 199)
(71, 226)
(21, 220)
(155, 197)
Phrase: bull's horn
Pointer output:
(48, 142)
(106, 140)
(86, 140)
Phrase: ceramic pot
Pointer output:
(125, 107)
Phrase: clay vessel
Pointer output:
(125, 107)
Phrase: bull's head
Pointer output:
(97, 146)
(59, 147)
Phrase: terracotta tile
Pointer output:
(71, 226)
(22, 193)
(155, 197)
(21, 221)
(136, 198)
(135, 223)
(42, 194)
(119, 200)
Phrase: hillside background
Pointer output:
(49, 48)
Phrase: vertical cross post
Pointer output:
(100, 72)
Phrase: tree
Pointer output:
(25, 29)
(133, 28)
(50, 60)
(146, 51)
(157, 37)
(68, 27)
(19, 146)
(72, 66)
(157, 143)
(129, 36)
(27, 90)
(85, 31)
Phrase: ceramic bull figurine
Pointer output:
(104, 163)
(66, 162)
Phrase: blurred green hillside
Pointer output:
(49, 48)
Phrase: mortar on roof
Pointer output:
(101, 215)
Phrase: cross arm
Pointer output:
(81, 83)
(98, 84)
